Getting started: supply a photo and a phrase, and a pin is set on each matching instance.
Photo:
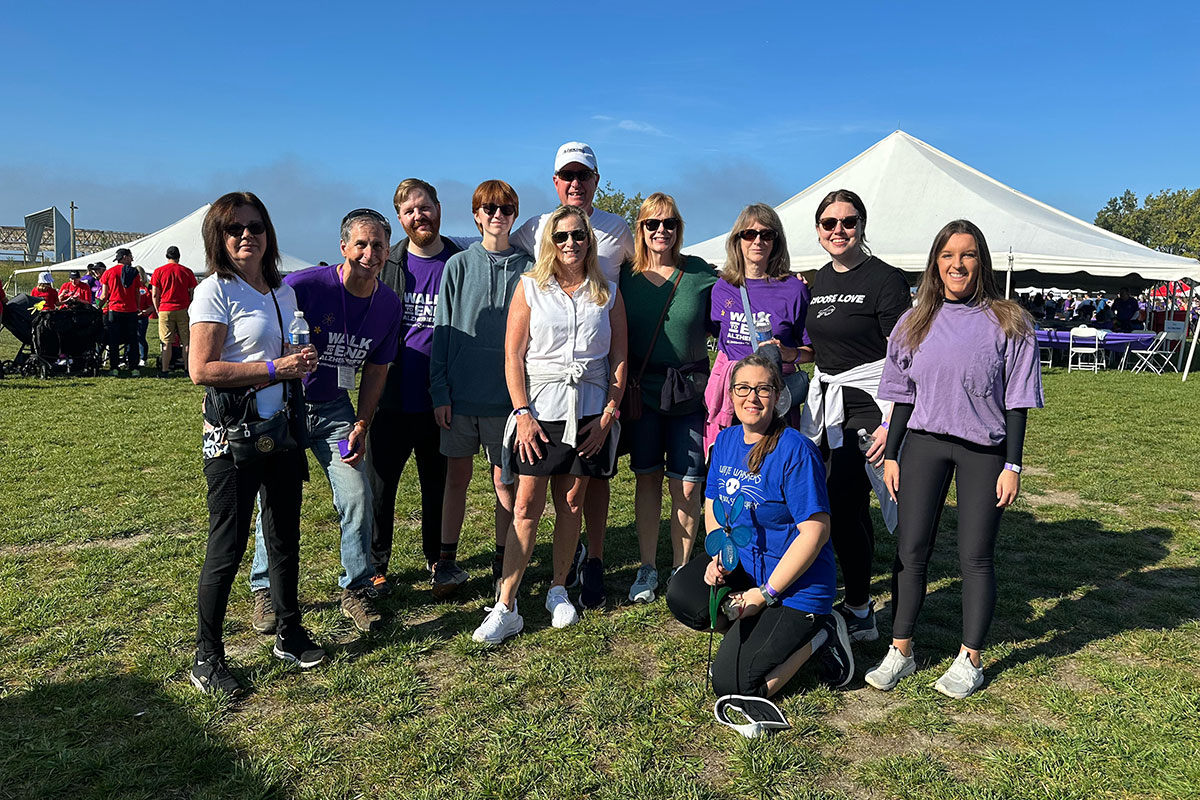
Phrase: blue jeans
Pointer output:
(327, 423)
(674, 441)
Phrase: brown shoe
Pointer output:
(357, 607)
(263, 617)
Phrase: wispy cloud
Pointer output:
(639, 127)
(602, 117)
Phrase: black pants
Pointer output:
(927, 464)
(395, 436)
(122, 330)
(754, 646)
(232, 490)
(850, 526)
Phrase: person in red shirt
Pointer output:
(76, 289)
(172, 285)
(46, 292)
(120, 286)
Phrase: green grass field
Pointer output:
(1092, 687)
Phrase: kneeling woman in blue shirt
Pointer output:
(785, 581)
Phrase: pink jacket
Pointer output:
(718, 405)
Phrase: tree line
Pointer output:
(1168, 221)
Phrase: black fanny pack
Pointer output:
(250, 437)
(683, 385)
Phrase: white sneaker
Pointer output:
(962, 679)
(499, 624)
(895, 665)
(644, 585)
(562, 610)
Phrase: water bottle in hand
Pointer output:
(298, 332)
(865, 442)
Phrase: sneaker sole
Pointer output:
(955, 695)
(291, 659)
(263, 629)
(844, 635)
(865, 635)
(647, 596)
(209, 689)
(443, 590)
(494, 642)
(357, 625)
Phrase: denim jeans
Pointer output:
(327, 423)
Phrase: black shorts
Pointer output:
(560, 459)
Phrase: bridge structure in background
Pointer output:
(12, 241)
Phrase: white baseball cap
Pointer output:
(575, 153)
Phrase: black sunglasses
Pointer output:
(669, 224)
(507, 209)
(256, 228)
(369, 213)
(849, 223)
(560, 237)
(581, 175)
(750, 234)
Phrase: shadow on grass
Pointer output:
(118, 736)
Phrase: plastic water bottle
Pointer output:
(865, 442)
(762, 329)
(298, 333)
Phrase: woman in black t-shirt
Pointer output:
(856, 300)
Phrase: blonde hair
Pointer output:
(546, 266)
(778, 264)
(664, 205)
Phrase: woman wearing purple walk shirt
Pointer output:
(962, 370)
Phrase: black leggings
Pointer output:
(395, 436)
(850, 526)
(927, 464)
(751, 649)
(121, 328)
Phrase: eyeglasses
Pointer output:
(744, 389)
(750, 234)
(234, 229)
(560, 237)
(369, 213)
(829, 223)
(581, 175)
(669, 224)
(507, 209)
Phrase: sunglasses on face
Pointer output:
(750, 234)
(581, 175)
(234, 229)
(507, 209)
(744, 389)
(560, 237)
(829, 223)
(669, 224)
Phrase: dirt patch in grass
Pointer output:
(115, 543)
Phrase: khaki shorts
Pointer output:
(467, 433)
(171, 324)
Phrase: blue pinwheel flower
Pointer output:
(727, 539)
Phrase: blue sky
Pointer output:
(140, 113)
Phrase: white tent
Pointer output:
(150, 251)
(911, 190)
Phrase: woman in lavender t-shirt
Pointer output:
(962, 369)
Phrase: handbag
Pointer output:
(631, 401)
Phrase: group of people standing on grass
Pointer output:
(558, 345)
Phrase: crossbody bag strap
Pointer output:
(658, 328)
(282, 343)
(751, 326)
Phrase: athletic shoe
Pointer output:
(962, 679)
(114, 373)
(861, 629)
(576, 565)
(837, 662)
(162, 374)
(499, 624)
(379, 586)
(298, 649)
(262, 619)
(644, 585)
(891, 670)
(591, 593)
(562, 610)
(358, 608)
(447, 577)
(211, 675)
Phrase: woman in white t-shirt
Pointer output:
(565, 368)
(237, 329)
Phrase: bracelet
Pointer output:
(1013, 468)
(366, 425)
(769, 595)
(270, 370)
(885, 425)
(616, 412)
(519, 411)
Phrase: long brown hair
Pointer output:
(779, 262)
(220, 214)
(1013, 320)
(766, 445)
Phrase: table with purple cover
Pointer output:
(1114, 342)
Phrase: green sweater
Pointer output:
(682, 339)
(466, 370)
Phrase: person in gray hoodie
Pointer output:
(466, 373)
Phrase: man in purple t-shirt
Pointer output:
(355, 322)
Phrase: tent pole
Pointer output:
(1009, 277)
(1187, 319)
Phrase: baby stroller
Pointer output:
(18, 320)
(65, 339)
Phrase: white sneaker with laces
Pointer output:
(562, 610)
(499, 624)
(962, 679)
(891, 670)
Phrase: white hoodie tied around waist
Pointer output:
(823, 409)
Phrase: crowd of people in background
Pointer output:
(1125, 313)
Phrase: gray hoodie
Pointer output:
(466, 371)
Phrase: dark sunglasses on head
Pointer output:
(560, 237)
(750, 234)
(507, 209)
(849, 223)
(256, 228)
(369, 213)
(581, 175)
(669, 224)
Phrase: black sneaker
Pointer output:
(211, 675)
(835, 659)
(861, 629)
(447, 577)
(576, 565)
(298, 649)
(591, 595)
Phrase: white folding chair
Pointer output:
(1156, 357)
(1084, 349)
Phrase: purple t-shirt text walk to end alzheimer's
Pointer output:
(781, 305)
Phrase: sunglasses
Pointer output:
(581, 175)
(829, 223)
(744, 389)
(669, 224)
(235, 229)
(560, 237)
(507, 209)
(750, 234)
(369, 213)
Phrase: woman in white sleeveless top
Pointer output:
(565, 367)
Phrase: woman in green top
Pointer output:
(673, 362)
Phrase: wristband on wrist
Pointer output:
(885, 425)
(769, 594)
(519, 411)
(1013, 468)
(270, 370)
(616, 412)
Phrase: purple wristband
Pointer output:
(770, 590)
(270, 370)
